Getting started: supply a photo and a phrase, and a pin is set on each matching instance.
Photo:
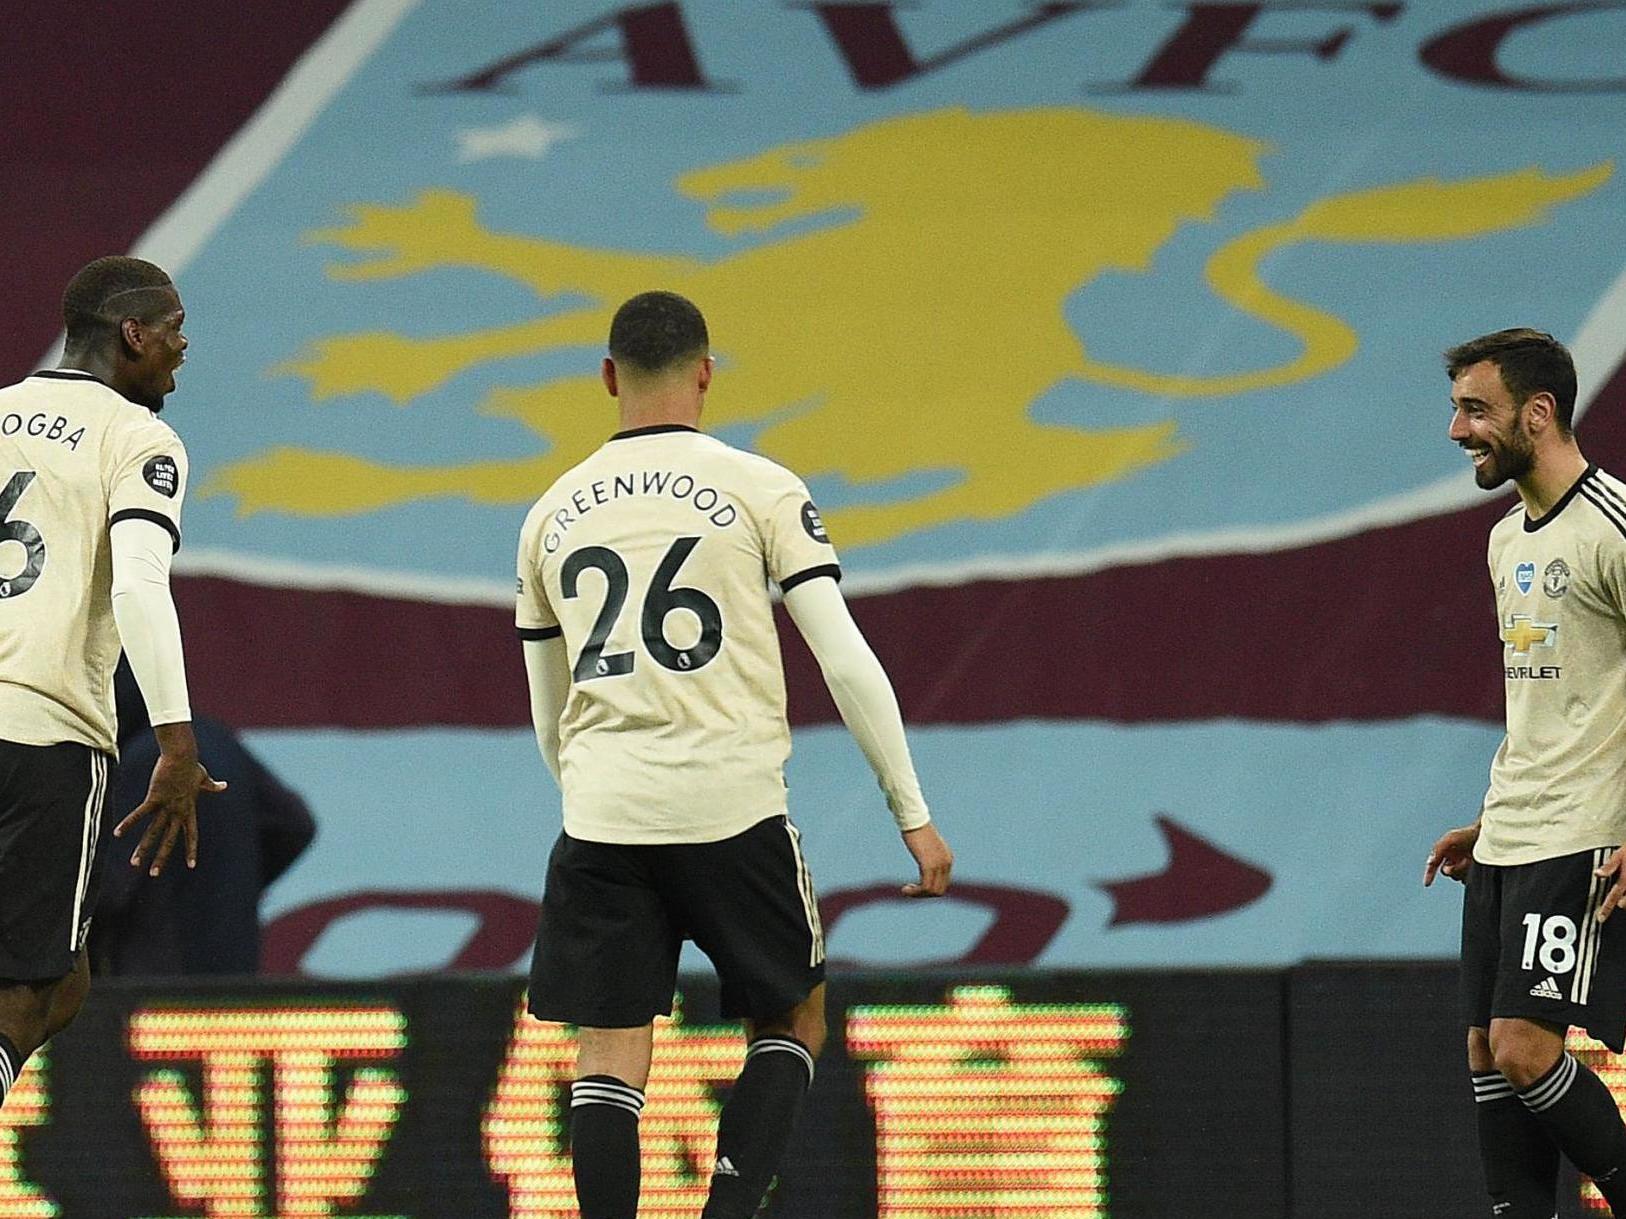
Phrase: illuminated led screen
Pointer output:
(1033, 1098)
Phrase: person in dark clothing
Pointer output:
(204, 920)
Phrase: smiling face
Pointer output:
(1490, 426)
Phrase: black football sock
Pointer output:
(1521, 1161)
(1580, 1115)
(604, 1146)
(756, 1123)
(11, 1066)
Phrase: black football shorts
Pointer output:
(614, 918)
(52, 799)
(1533, 948)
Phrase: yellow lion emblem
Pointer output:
(904, 327)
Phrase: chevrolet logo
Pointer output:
(1521, 634)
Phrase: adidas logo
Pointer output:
(1547, 989)
(724, 1168)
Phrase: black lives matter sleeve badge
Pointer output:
(162, 475)
(814, 523)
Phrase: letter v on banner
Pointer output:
(879, 57)
(655, 46)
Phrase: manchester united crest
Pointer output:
(1555, 581)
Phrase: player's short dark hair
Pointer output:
(655, 330)
(1529, 360)
(110, 289)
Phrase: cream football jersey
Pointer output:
(1558, 784)
(75, 456)
(653, 559)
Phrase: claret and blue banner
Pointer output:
(1106, 335)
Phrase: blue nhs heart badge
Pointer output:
(1524, 575)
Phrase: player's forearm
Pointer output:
(148, 626)
(547, 743)
(549, 683)
(862, 693)
(869, 708)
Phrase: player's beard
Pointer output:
(1510, 459)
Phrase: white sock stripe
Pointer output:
(764, 1045)
(1553, 1084)
(1543, 1096)
(620, 1094)
(605, 1081)
(595, 1099)
(577, 1102)
(7, 1080)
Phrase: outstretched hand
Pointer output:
(1452, 855)
(935, 859)
(172, 803)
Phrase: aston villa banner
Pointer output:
(1106, 335)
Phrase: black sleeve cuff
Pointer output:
(147, 514)
(540, 632)
(812, 573)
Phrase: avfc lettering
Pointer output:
(660, 48)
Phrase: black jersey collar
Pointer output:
(1551, 514)
(654, 429)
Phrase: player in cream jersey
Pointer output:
(76, 457)
(91, 484)
(1558, 783)
(659, 702)
(651, 557)
(1543, 863)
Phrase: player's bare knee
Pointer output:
(1523, 1051)
(1480, 1058)
(622, 1054)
